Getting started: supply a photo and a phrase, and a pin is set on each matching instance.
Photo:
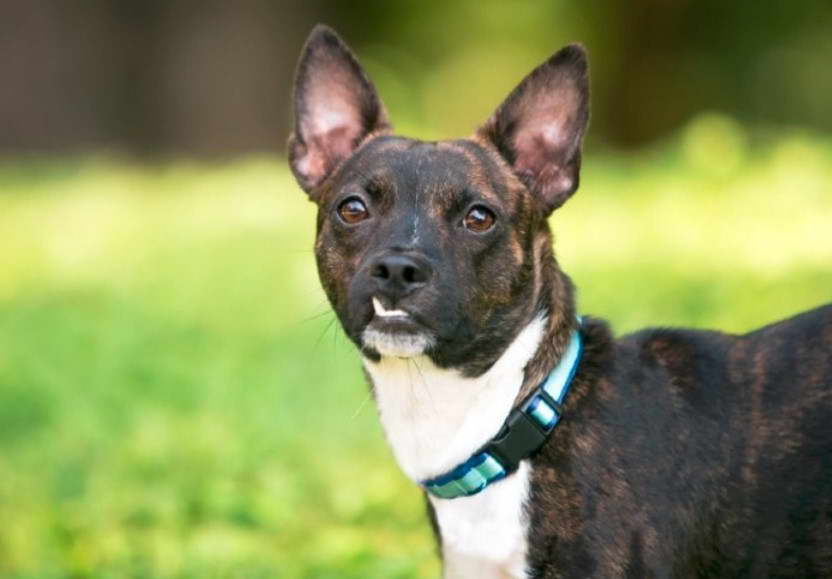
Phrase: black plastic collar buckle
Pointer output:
(521, 435)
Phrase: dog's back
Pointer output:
(700, 455)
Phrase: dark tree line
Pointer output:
(214, 77)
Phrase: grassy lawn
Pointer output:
(176, 401)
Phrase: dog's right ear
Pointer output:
(336, 108)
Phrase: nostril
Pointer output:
(400, 271)
(380, 271)
(414, 274)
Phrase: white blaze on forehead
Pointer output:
(382, 313)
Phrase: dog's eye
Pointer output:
(479, 219)
(353, 210)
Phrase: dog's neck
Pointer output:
(555, 296)
(436, 418)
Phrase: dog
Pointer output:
(545, 447)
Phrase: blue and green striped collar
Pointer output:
(523, 432)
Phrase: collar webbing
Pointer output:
(524, 431)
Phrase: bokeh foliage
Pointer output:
(162, 76)
(654, 64)
(177, 402)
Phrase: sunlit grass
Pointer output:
(175, 400)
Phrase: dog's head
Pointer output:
(434, 248)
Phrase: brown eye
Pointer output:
(353, 210)
(479, 219)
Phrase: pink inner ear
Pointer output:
(336, 104)
(331, 141)
(322, 152)
(545, 142)
(331, 123)
(331, 103)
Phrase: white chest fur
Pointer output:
(435, 419)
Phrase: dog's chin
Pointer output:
(396, 344)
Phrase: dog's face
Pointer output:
(433, 247)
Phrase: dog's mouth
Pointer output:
(381, 312)
(395, 332)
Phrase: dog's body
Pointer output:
(685, 454)
(692, 454)
(681, 454)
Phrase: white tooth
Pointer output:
(382, 313)
(379, 309)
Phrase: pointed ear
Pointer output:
(539, 127)
(336, 108)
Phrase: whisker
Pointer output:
(322, 335)
(427, 389)
(316, 316)
(361, 406)
(334, 339)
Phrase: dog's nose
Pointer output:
(398, 274)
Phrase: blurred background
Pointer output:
(210, 77)
(176, 399)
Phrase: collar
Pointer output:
(523, 432)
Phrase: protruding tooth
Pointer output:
(382, 313)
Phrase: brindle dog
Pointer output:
(682, 453)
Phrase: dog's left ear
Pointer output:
(336, 108)
(538, 129)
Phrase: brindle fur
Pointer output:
(683, 453)
(691, 454)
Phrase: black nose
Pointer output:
(398, 275)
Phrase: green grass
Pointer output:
(175, 401)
